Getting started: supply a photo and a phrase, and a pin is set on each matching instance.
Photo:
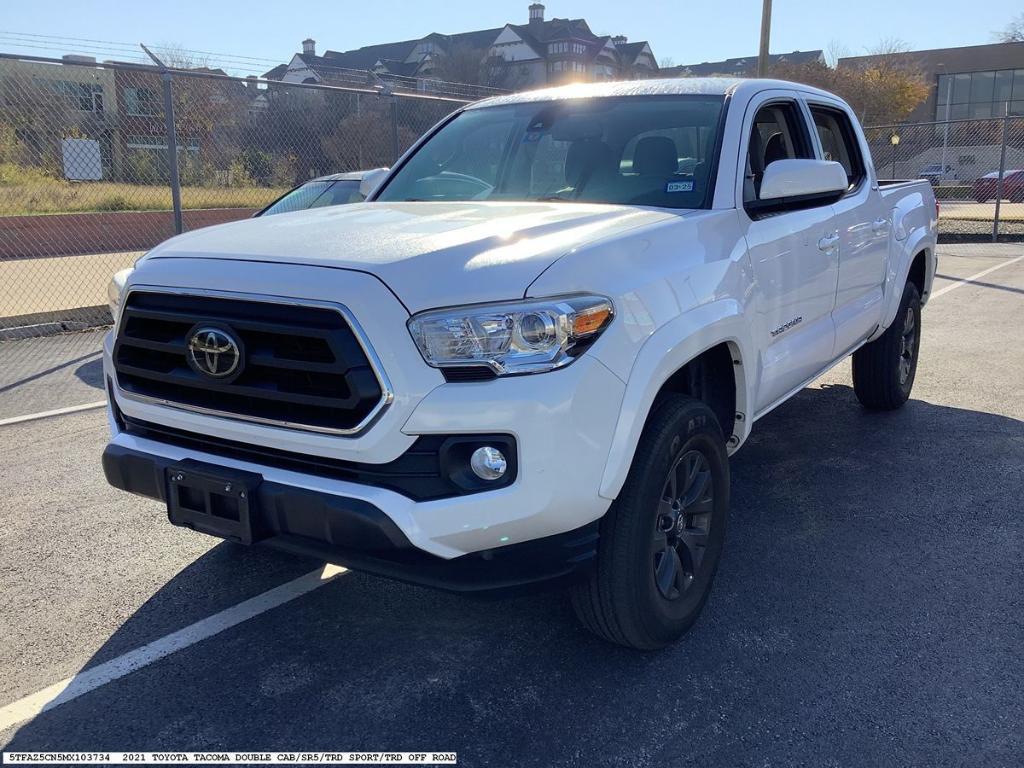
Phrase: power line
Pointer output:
(110, 49)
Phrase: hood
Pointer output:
(430, 254)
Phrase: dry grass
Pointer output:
(981, 211)
(52, 196)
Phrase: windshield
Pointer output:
(316, 194)
(647, 150)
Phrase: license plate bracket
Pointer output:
(221, 502)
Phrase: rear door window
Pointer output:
(839, 142)
(778, 133)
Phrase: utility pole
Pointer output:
(766, 29)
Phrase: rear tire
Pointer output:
(662, 538)
(884, 370)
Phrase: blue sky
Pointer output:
(683, 30)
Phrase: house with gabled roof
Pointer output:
(512, 56)
(742, 66)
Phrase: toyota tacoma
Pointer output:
(528, 356)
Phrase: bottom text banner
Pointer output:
(233, 758)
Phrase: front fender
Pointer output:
(667, 350)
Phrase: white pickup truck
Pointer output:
(529, 355)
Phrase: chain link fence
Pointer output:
(976, 168)
(100, 162)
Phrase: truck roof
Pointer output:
(713, 86)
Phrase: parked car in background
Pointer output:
(937, 172)
(335, 189)
(987, 187)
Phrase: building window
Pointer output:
(978, 95)
(86, 97)
(141, 102)
(568, 66)
(567, 47)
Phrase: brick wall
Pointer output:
(25, 237)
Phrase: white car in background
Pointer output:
(334, 189)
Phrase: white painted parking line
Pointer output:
(967, 280)
(48, 414)
(98, 676)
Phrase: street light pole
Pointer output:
(766, 28)
(945, 126)
(894, 139)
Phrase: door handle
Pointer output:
(878, 226)
(828, 242)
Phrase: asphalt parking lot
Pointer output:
(869, 609)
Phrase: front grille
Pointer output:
(301, 366)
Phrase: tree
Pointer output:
(507, 75)
(1013, 32)
(34, 117)
(359, 142)
(461, 64)
(885, 87)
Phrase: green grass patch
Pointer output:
(27, 193)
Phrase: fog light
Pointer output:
(488, 463)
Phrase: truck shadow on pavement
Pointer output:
(872, 581)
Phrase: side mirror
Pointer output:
(803, 178)
(371, 180)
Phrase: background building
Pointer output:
(745, 66)
(972, 82)
(510, 57)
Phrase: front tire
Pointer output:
(884, 370)
(661, 541)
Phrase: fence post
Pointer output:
(999, 179)
(394, 129)
(172, 152)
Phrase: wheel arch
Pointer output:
(918, 266)
(708, 362)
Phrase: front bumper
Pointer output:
(358, 535)
(562, 422)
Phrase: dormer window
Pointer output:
(565, 46)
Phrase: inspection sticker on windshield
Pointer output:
(679, 186)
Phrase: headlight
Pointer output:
(519, 337)
(115, 291)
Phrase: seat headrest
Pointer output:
(775, 149)
(587, 159)
(655, 156)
